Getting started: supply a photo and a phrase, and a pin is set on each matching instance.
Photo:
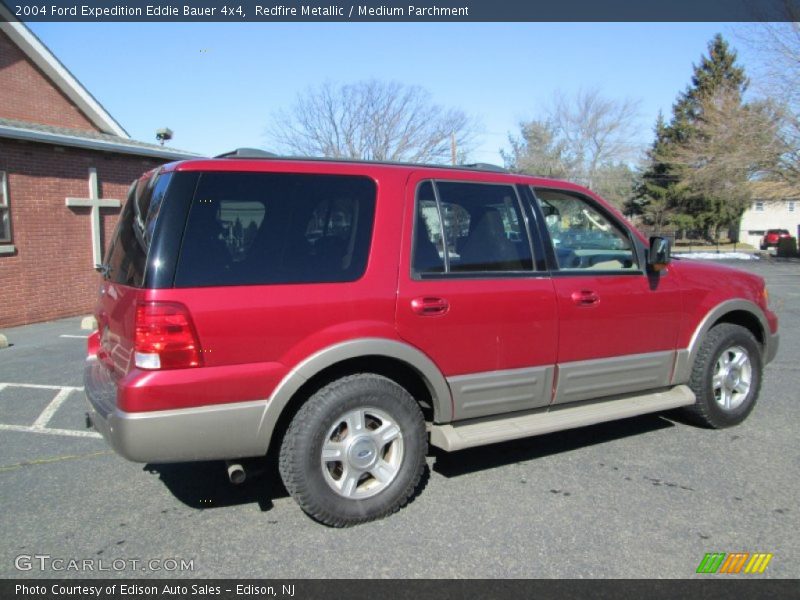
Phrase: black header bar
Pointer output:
(453, 11)
(708, 588)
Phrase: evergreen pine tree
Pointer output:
(651, 194)
(716, 72)
(660, 194)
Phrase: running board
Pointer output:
(479, 432)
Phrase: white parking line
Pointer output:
(50, 430)
(80, 337)
(40, 424)
(38, 386)
(47, 414)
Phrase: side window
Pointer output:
(266, 228)
(154, 205)
(428, 254)
(331, 218)
(127, 255)
(240, 222)
(469, 228)
(583, 238)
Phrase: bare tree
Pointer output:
(586, 138)
(777, 47)
(372, 120)
(539, 150)
(598, 130)
(777, 77)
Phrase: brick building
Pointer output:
(60, 151)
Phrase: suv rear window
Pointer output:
(127, 254)
(267, 228)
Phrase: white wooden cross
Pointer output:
(95, 203)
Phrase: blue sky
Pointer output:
(217, 85)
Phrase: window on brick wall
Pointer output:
(5, 212)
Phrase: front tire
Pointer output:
(355, 451)
(726, 377)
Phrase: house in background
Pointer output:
(769, 214)
(65, 168)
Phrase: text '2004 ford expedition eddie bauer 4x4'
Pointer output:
(344, 315)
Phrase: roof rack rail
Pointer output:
(247, 153)
(485, 167)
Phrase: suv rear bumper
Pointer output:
(218, 431)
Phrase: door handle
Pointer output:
(430, 306)
(585, 298)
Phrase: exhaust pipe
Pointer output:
(236, 472)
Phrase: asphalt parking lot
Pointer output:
(644, 497)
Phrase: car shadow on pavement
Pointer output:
(205, 484)
(471, 460)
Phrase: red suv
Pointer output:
(772, 237)
(345, 315)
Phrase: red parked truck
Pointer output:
(772, 237)
(345, 315)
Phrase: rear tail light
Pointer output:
(165, 337)
(93, 344)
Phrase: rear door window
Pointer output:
(269, 228)
(469, 228)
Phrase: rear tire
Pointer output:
(355, 451)
(726, 377)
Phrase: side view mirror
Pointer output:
(659, 255)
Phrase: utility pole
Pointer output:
(453, 147)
